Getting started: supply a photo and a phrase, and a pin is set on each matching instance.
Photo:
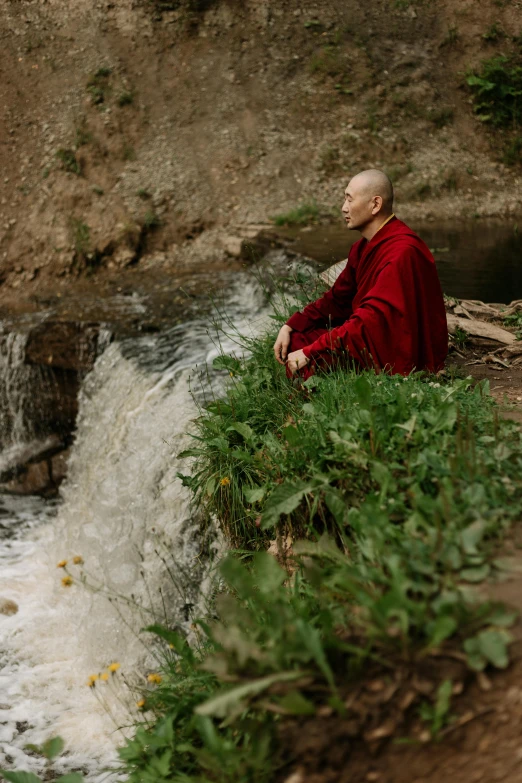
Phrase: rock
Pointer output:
(330, 275)
(250, 243)
(7, 606)
(34, 480)
(67, 345)
(480, 329)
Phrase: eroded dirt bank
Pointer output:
(155, 128)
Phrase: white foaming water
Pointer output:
(122, 505)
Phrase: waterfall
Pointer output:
(125, 512)
(24, 389)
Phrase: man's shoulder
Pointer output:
(404, 241)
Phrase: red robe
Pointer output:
(385, 310)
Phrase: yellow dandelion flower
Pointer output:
(91, 682)
(104, 676)
(113, 668)
(140, 704)
(231, 374)
(154, 678)
(67, 581)
(61, 564)
(225, 481)
(78, 560)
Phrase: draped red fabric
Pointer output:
(385, 310)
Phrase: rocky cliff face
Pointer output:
(146, 127)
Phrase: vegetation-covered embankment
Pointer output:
(388, 498)
(384, 502)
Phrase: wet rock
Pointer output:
(7, 606)
(64, 345)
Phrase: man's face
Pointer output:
(358, 207)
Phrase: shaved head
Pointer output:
(368, 201)
(373, 183)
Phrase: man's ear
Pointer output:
(377, 205)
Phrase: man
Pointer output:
(386, 308)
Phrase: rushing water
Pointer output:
(125, 512)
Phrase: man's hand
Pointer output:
(296, 361)
(282, 343)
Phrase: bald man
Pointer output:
(386, 308)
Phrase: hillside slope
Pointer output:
(148, 126)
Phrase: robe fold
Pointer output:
(385, 310)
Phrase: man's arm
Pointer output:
(382, 331)
(334, 305)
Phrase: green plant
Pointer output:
(82, 136)
(69, 161)
(494, 32)
(327, 62)
(301, 215)
(128, 152)
(437, 714)
(143, 193)
(125, 98)
(460, 337)
(81, 237)
(497, 91)
(97, 85)
(452, 36)
(515, 320)
(151, 220)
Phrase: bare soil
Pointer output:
(151, 129)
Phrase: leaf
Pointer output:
(254, 494)
(267, 574)
(243, 429)
(52, 747)
(409, 425)
(475, 574)
(296, 704)
(283, 500)
(472, 535)
(20, 777)
(177, 641)
(493, 646)
(336, 505)
(311, 639)
(224, 703)
(442, 628)
(502, 452)
(292, 435)
(224, 362)
(502, 616)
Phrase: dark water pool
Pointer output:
(476, 260)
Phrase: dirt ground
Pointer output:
(146, 131)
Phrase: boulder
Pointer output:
(63, 344)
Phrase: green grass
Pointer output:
(299, 216)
